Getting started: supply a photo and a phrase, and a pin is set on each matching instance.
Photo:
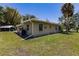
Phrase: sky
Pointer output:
(43, 11)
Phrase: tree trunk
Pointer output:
(67, 25)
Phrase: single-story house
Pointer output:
(35, 27)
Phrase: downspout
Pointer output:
(32, 28)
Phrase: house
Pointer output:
(36, 27)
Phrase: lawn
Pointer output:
(55, 44)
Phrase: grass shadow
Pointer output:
(68, 33)
(32, 37)
(39, 36)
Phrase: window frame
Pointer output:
(27, 27)
(41, 27)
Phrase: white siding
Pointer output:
(47, 30)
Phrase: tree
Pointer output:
(1, 15)
(76, 21)
(67, 11)
(28, 17)
(12, 16)
(61, 22)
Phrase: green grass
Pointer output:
(55, 44)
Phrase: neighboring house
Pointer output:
(38, 27)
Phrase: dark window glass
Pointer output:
(27, 27)
(50, 26)
(40, 27)
(56, 28)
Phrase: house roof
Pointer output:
(37, 20)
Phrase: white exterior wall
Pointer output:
(29, 32)
(47, 30)
(34, 28)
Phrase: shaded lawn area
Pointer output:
(55, 44)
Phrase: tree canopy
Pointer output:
(67, 10)
(9, 15)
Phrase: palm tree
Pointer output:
(67, 11)
(12, 16)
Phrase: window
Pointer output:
(50, 26)
(27, 27)
(40, 27)
(56, 28)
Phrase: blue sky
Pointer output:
(50, 11)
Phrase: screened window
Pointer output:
(40, 27)
(50, 26)
(27, 27)
(56, 28)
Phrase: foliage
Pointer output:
(1, 15)
(76, 21)
(12, 16)
(28, 17)
(67, 11)
(9, 16)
